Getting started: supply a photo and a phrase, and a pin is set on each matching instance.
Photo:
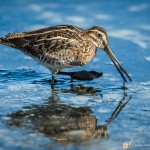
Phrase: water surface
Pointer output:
(96, 114)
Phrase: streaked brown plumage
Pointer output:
(63, 46)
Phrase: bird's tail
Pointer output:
(1, 40)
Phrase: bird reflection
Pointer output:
(81, 89)
(65, 122)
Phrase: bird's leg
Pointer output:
(71, 80)
(53, 77)
(53, 81)
(124, 86)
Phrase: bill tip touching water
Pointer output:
(63, 46)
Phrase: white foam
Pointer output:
(145, 83)
(104, 110)
(81, 8)
(35, 7)
(77, 19)
(35, 27)
(112, 96)
(136, 8)
(50, 5)
(103, 16)
(51, 17)
(147, 58)
(27, 57)
(39, 8)
(78, 100)
(48, 15)
(95, 59)
(145, 26)
(22, 87)
(132, 35)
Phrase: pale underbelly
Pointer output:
(58, 61)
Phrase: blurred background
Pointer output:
(24, 82)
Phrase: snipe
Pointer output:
(63, 46)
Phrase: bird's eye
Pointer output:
(99, 35)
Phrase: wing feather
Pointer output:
(52, 39)
(48, 30)
(47, 45)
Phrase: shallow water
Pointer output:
(96, 114)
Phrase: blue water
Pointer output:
(33, 116)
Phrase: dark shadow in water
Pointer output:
(63, 122)
(78, 75)
(82, 75)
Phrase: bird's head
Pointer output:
(99, 38)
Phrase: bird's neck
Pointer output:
(91, 40)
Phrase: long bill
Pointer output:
(117, 64)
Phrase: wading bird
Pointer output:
(63, 46)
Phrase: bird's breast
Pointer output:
(83, 54)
